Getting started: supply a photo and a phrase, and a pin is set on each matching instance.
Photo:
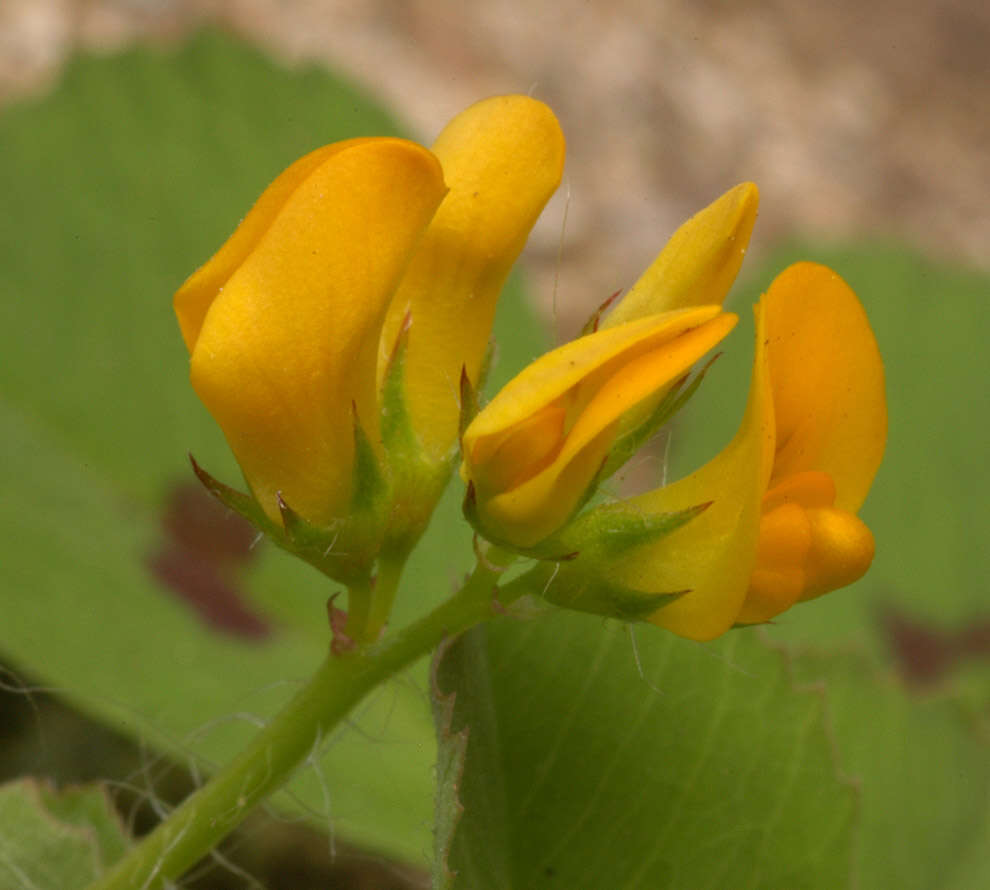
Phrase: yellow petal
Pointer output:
(828, 381)
(534, 442)
(712, 556)
(536, 508)
(699, 263)
(530, 472)
(802, 554)
(502, 159)
(779, 575)
(193, 299)
(842, 549)
(811, 488)
(288, 346)
(565, 368)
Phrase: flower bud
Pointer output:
(533, 454)
(774, 519)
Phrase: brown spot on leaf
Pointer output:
(203, 548)
(926, 654)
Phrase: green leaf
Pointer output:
(712, 769)
(116, 185)
(451, 751)
(742, 763)
(55, 840)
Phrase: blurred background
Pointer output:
(862, 123)
(852, 117)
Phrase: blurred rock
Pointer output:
(854, 118)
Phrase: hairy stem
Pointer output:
(212, 812)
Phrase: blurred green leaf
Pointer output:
(55, 840)
(116, 186)
(922, 765)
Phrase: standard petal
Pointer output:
(828, 381)
(502, 159)
(192, 301)
(713, 555)
(288, 347)
(699, 263)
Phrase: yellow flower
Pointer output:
(282, 323)
(779, 522)
(533, 455)
(292, 325)
(830, 419)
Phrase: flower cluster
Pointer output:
(328, 336)
(339, 336)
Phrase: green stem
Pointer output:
(210, 814)
(358, 604)
(390, 565)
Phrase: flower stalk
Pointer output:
(215, 810)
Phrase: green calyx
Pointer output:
(416, 479)
(609, 531)
(575, 565)
(570, 585)
(636, 435)
(369, 489)
(344, 551)
(398, 435)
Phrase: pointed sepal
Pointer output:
(470, 404)
(242, 504)
(339, 552)
(569, 586)
(629, 441)
(295, 526)
(592, 324)
(344, 551)
(610, 531)
(398, 434)
(369, 484)
(415, 479)
(594, 543)
(560, 545)
(469, 507)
